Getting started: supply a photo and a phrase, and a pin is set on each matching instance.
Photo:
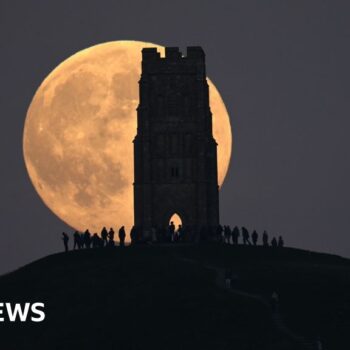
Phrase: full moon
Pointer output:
(78, 135)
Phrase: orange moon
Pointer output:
(78, 134)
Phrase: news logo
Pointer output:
(33, 312)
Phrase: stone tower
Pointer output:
(175, 156)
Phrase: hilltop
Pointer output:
(173, 297)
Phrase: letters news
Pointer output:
(13, 312)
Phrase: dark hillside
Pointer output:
(167, 297)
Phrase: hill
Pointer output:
(173, 297)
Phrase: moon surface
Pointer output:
(78, 135)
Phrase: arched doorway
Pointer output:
(176, 219)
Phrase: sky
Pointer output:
(282, 68)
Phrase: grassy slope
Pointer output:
(148, 298)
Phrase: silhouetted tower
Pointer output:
(175, 156)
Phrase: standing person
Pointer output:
(235, 235)
(227, 234)
(65, 239)
(95, 240)
(265, 239)
(245, 235)
(171, 230)
(255, 237)
(111, 237)
(82, 240)
(232, 236)
(121, 235)
(280, 242)
(219, 231)
(104, 235)
(133, 235)
(87, 239)
(274, 242)
(176, 236)
(77, 243)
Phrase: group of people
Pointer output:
(160, 234)
(232, 237)
(169, 234)
(87, 240)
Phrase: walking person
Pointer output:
(245, 235)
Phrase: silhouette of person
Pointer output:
(104, 235)
(235, 235)
(280, 242)
(219, 231)
(87, 239)
(265, 239)
(176, 236)
(232, 239)
(133, 235)
(65, 239)
(245, 235)
(171, 230)
(180, 233)
(254, 237)
(121, 235)
(77, 241)
(111, 237)
(274, 242)
(227, 234)
(95, 240)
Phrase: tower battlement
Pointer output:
(173, 53)
(174, 61)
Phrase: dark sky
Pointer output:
(282, 68)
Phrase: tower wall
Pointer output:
(175, 156)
